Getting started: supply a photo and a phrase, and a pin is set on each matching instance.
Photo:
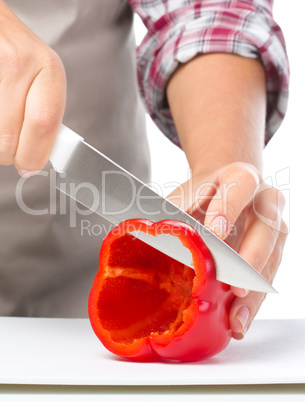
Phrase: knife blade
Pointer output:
(107, 189)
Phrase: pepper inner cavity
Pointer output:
(143, 292)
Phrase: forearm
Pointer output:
(218, 102)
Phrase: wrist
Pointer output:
(211, 162)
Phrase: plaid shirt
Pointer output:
(178, 30)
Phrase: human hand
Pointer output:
(32, 96)
(246, 213)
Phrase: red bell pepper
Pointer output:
(144, 304)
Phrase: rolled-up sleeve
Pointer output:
(178, 30)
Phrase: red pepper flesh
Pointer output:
(144, 304)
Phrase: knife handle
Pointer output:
(63, 147)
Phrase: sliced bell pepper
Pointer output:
(144, 304)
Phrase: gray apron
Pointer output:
(47, 266)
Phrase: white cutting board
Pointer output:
(66, 351)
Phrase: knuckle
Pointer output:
(8, 145)
(244, 171)
(17, 58)
(51, 57)
(269, 203)
(54, 64)
(274, 193)
(44, 122)
(284, 228)
(14, 57)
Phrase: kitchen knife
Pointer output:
(104, 187)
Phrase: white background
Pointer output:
(284, 154)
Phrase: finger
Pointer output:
(236, 190)
(243, 310)
(44, 111)
(262, 232)
(243, 313)
(202, 194)
(12, 98)
(256, 247)
(193, 197)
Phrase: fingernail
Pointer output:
(242, 316)
(219, 226)
(27, 173)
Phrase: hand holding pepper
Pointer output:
(246, 214)
(220, 108)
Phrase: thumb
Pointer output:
(193, 197)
